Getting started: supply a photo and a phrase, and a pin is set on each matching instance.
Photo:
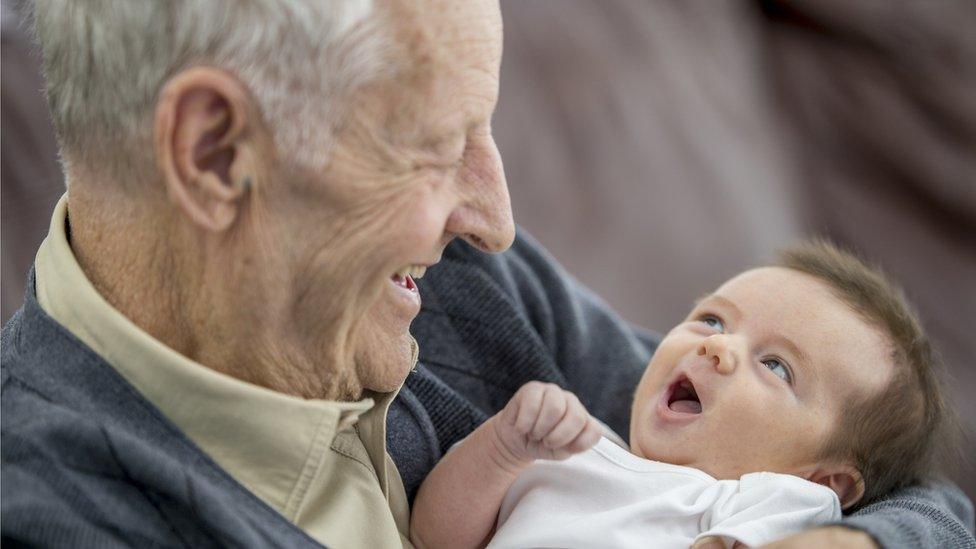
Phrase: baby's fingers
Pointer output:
(552, 411)
(528, 401)
(569, 427)
(588, 438)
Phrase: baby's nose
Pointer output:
(719, 352)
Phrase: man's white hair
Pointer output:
(105, 62)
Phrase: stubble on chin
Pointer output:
(383, 363)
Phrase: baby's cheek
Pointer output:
(753, 420)
(649, 384)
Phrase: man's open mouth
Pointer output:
(682, 397)
(405, 277)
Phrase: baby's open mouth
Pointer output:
(683, 398)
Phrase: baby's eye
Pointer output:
(713, 322)
(779, 369)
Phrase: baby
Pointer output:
(791, 393)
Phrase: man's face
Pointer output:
(415, 165)
(756, 378)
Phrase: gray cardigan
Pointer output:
(87, 461)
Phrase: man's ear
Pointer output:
(844, 480)
(203, 140)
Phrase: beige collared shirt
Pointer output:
(322, 464)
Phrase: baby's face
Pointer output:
(756, 377)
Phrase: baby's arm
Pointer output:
(458, 503)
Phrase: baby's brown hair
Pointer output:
(907, 430)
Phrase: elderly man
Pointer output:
(217, 323)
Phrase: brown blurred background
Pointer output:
(657, 148)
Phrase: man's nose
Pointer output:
(719, 348)
(484, 217)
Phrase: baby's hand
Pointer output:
(543, 421)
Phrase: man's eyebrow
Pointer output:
(727, 303)
(440, 140)
(448, 134)
(433, 150)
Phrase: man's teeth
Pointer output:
(415, 272)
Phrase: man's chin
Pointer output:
(384, 365)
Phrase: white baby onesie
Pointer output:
(608, 497)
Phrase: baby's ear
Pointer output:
(844, 480)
